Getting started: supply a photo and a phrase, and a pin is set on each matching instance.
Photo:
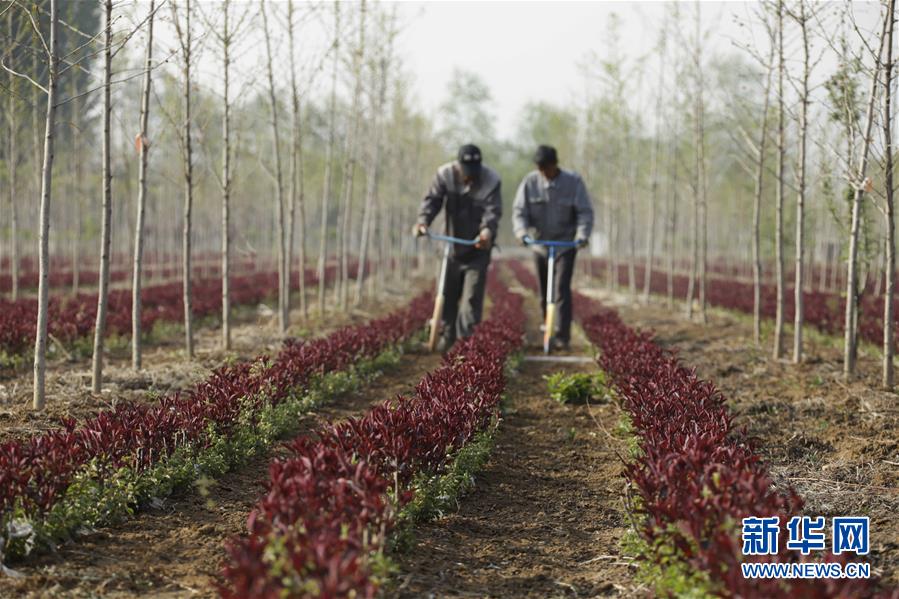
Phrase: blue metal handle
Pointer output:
(452, 239)
(547, 243)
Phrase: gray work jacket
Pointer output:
(469, 208)
(557, 210)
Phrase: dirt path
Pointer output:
(176, 550)
(165, 369)
(546, 516)
(837, 444)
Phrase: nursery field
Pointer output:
(355, 463)
(273, 322)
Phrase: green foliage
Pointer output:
(13, 362)
(437, 494)
(660, 564)
(624, 429)
(467, 114)
(513, 363)
(663, 568)
(577, 387)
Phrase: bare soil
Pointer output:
(165, 367)
(546, 516)
(836, 443)
(176, 549)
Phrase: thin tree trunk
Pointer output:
(798, 284)
(349, 165)
(144, 149)
(283, 277)
(43, 292)
(106, 219)
(881, 268)
(75, 199)
(702, 219)
(12, 164)
(779, 198)
(632, 229)
(612, 264)
(654, 198)
(672, 221)
(850, 340)
(36, 146)
(185, 40)
(329, 163)
(371, 192)
(888, 338)
(297, 176)
(291, 198)
(757, 211)
(226, 180)
(694, 251)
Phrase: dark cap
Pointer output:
(545, 155)
(470, 160)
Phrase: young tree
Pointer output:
(283, 267)
(349, 166)
(862, 185)
(673, 192)
(761, 150)
(106, 218)
(329, 166)
(185, 42)
(43, 292)
(143, 147)
(700, 174)
(779, 197)
(802, 20)
(656, 150)
(378, 102)
(12, 163)
(226, 40)
(671, 209)
(888, 336)
(297, 176)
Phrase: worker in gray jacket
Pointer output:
(469, 193)
(553, 204)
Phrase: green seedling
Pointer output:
(576, 388)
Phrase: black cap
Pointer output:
(470, 160)
(545, 155)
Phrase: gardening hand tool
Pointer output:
(441, 280)
(551, 246)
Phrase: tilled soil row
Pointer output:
(547, 513)
(176, 548)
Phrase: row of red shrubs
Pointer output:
(62, 276)
(823, 310)
(331, 503)
(36, 472)
(696, 475)
(74, 317)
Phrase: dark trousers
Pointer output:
(564, 268)
(463, 294)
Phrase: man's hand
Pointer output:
(419, 230)
(581, 243)
(523, 239)
(485, 240)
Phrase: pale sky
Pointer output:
(529, 51)
(524, 51)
